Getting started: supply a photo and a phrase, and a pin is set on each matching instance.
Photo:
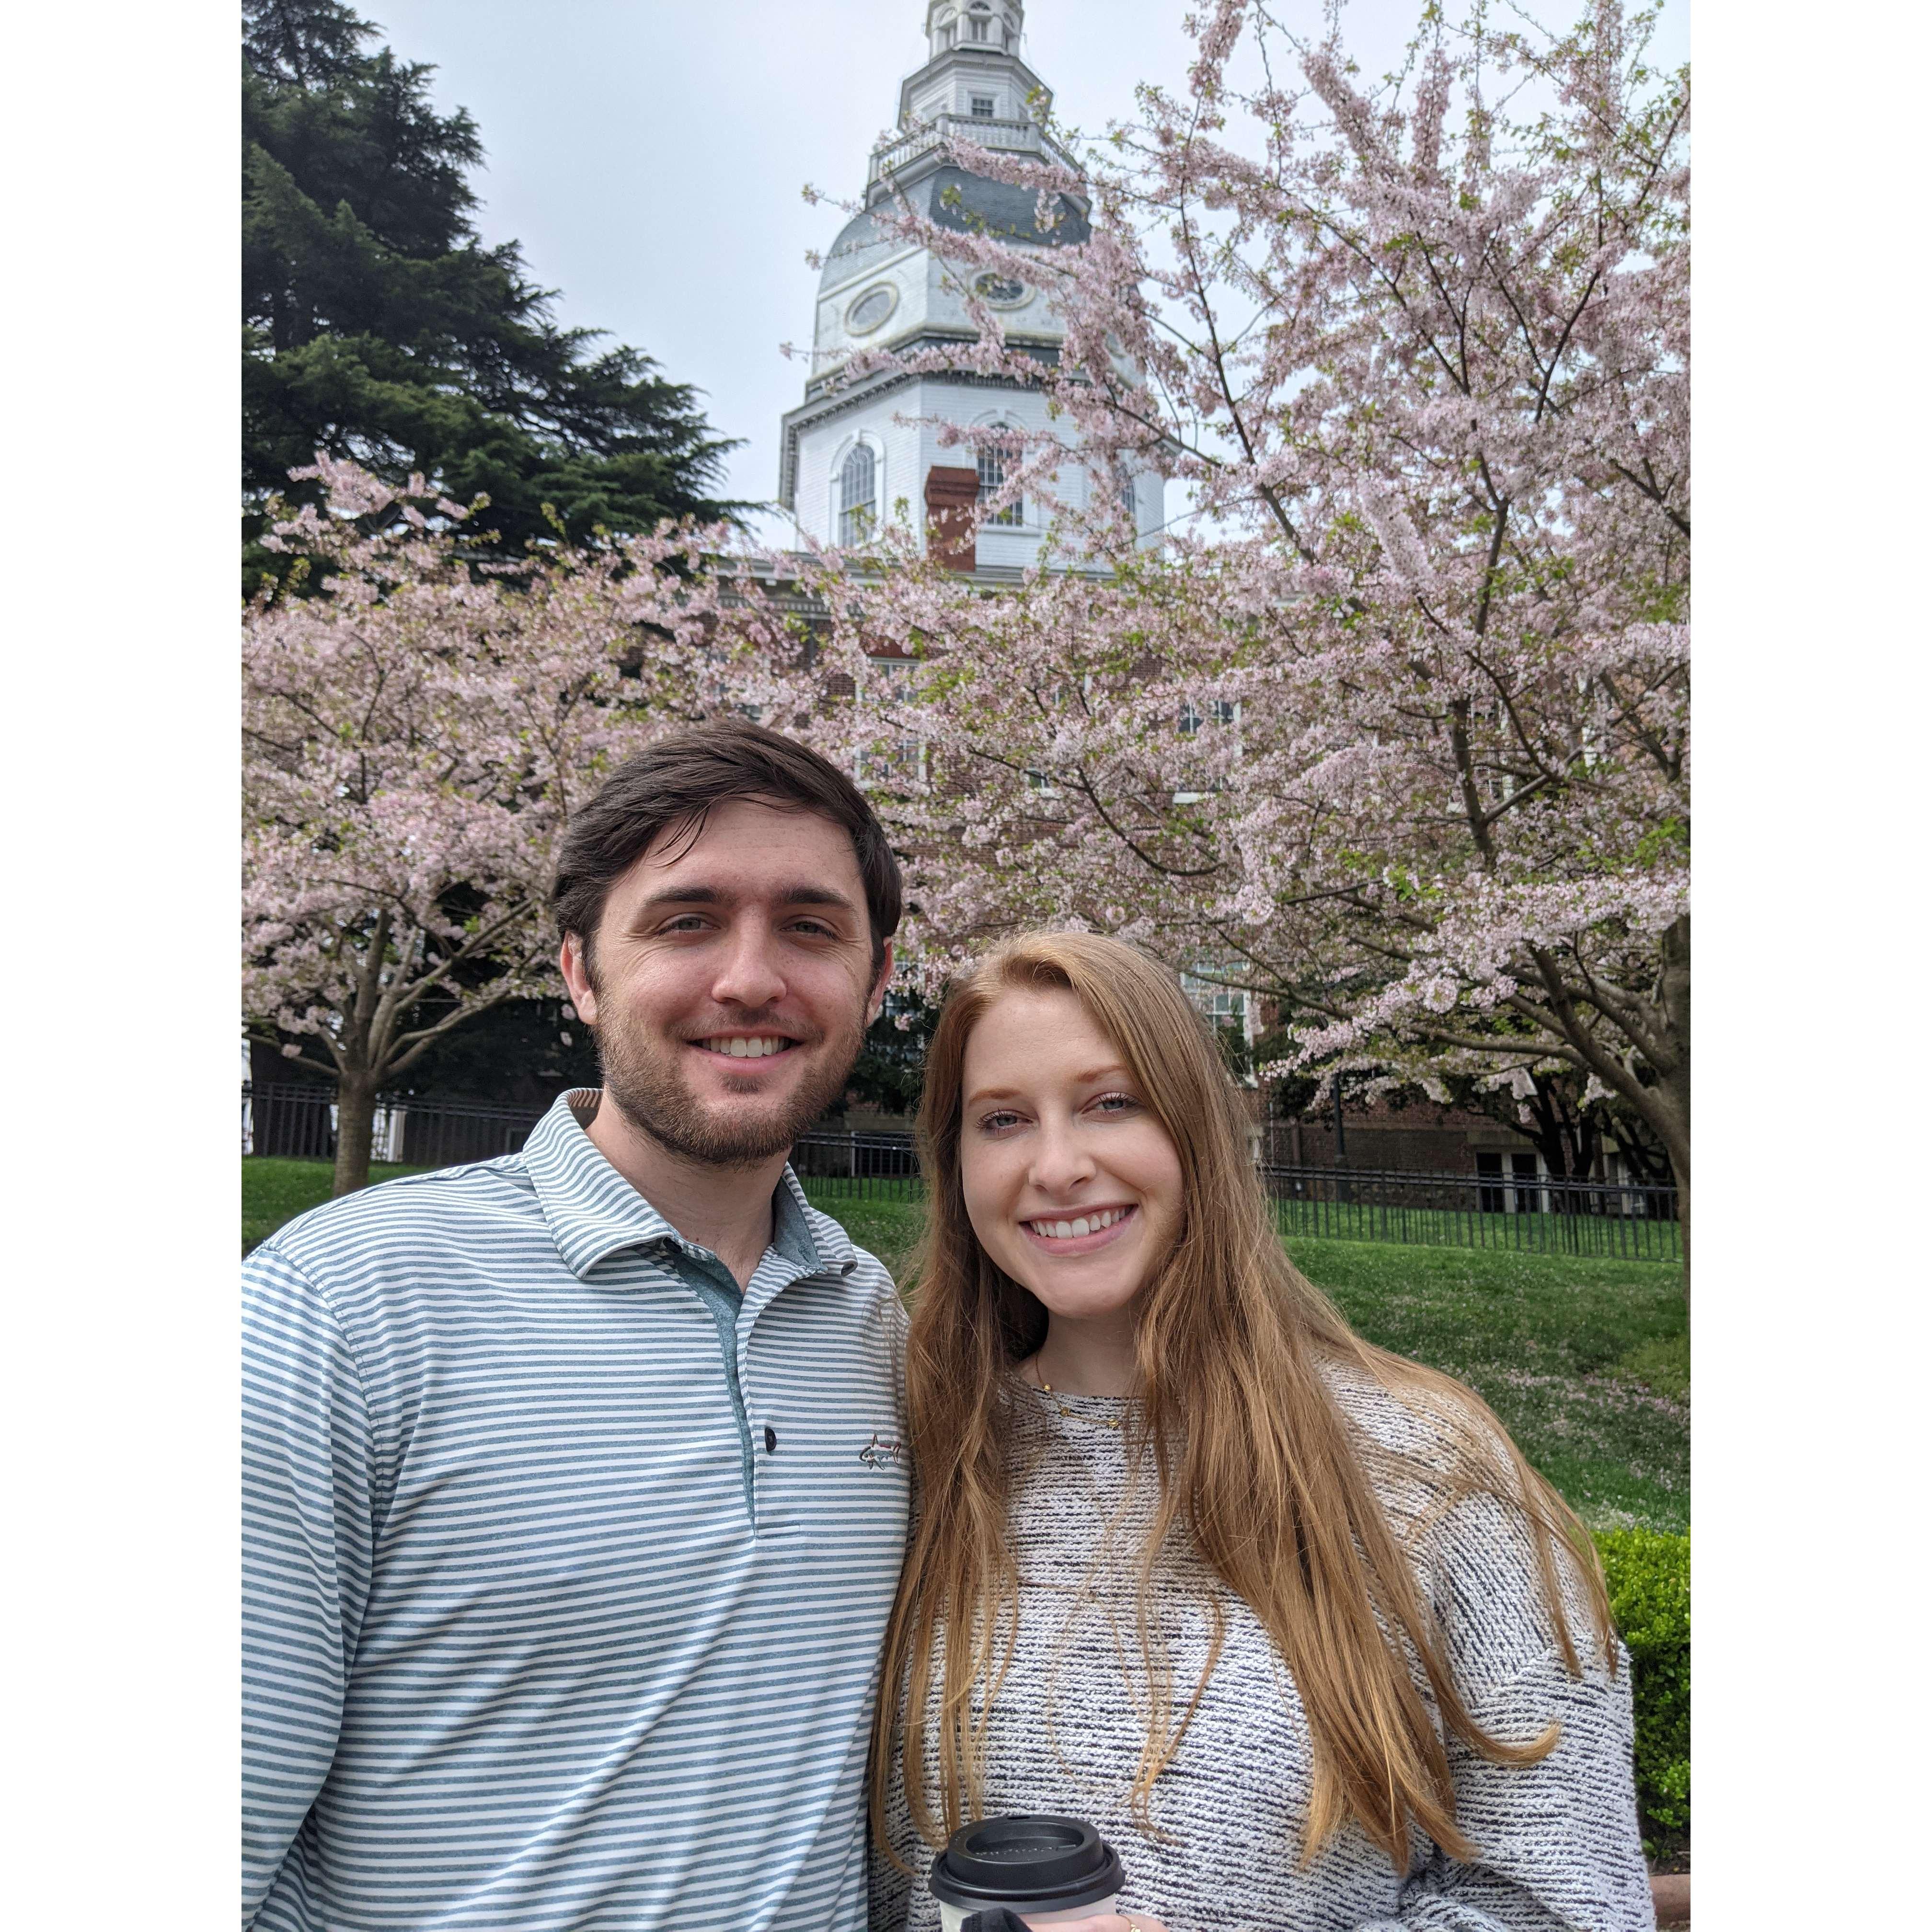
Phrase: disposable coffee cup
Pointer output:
(1047, 1868)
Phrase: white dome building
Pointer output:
(855, 457)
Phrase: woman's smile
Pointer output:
(1081, 1234)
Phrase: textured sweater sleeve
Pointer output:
(306, 1537)
(1556, 1842)
(1557, 1848)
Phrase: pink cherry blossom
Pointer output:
(416, 736)
(1394, 727)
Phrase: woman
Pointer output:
(1288, 1618)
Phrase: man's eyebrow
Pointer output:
(820, 895)
(790, 895)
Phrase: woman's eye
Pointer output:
(994, 1124)
(1114, 1103)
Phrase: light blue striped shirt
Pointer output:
(565, 1567)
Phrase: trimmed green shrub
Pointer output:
(1649, 1577)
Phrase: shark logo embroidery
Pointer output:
(880, 1451)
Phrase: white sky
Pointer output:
(649, 154)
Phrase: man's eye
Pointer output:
(689, 921)
(813, 929)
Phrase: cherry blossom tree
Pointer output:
(1393, 728)
(416, 734)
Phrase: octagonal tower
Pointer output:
(847, 463)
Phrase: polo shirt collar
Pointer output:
(799, 1230)
(593, 1211)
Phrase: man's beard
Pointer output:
(647, 1088)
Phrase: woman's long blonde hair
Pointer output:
(1256, 1465)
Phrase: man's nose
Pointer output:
(1061, 1161)
(751, 974)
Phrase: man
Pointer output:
(574, 1502)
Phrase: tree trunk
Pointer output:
(1675, 986)
(354, 1132)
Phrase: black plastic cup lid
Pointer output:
(1040, 1859)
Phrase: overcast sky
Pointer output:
(649, 154)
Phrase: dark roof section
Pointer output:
(967, 204)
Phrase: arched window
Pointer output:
(978, 27)
(992, 478)
(857, 494)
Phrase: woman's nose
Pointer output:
(1060, 1161)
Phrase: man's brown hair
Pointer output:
(673, 784)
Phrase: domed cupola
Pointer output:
(850, 458)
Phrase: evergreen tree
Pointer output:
(376, 325)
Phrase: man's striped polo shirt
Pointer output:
(565, 1567)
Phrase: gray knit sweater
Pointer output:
(1557, 1841)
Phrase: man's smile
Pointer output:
(744, 1045)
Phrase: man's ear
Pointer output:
(876, 999)
(576, 978)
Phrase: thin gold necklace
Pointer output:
(1046, 1388)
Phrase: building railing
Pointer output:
(1020, 137)
(1614, 1219)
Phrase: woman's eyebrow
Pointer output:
(1112, 1071)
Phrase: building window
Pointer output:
(1525, 1197)
(992, 480)
(982, 107)
(978, 27)
(999, 291)
(1219, 711)
(857, 493)
(870, 310)
(895, 758)
(1227, 1008)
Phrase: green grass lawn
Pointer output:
(1585, 1360)
(274, 1190)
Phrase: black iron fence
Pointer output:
(1538, 1215)
(301, 1122)
(858, 1166)
(1543, 1215)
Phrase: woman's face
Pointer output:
(1072, 1184)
